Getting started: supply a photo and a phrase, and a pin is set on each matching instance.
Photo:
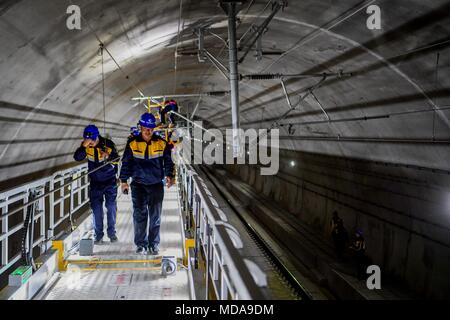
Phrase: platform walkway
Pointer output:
(116, 272)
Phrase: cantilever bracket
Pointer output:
(320, 105)
(259, 51)
(286, 94)
(219, 66)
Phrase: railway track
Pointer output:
(284, 273)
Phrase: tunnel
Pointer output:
(350, 99)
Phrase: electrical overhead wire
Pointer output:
(103, 91)
(317, 33)
(176, 47)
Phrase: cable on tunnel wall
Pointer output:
(103, 90)
(176, 48)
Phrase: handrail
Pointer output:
(50, 214)
(214, 237)
(54, 190)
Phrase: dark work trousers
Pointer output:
(106, 192)
(167, 109)
(147, 207)
(360, 261)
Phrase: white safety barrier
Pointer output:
(226, 270)
(51, 204)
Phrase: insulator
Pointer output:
(267, 76)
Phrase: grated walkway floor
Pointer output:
(116, 272)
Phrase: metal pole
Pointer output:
(234, 77)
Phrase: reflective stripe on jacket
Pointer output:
(147, 163)
(95, 160)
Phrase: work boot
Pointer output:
(154, 249)
(140, 250)
(113, 239)
(98, 240)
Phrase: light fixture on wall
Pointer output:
(292, 163)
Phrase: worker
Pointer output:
(359, 248)
(340, 238)
(103, 181)
(170, 105)
(338, 234)
(334, 221)
(147, 160)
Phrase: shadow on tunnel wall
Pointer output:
(403, 212)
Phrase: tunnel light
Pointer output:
(292, 163)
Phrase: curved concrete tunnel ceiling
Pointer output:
(51, 83)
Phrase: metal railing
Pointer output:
(229, 274)
(51, 194)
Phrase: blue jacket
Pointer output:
(107, 173)
(147, 163)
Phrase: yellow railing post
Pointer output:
(188, 243)
(59, 246)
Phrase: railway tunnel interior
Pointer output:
(363, 121)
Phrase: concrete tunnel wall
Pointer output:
(402, 211)
(51, 76)
(50, 88)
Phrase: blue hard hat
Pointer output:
(91, 132)
(148, 120)
(134, 131)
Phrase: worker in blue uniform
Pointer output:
(103, 182)
(147, 161)
(170, 105)
(359, 248)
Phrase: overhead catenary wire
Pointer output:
(103, 90)
(127, 76)
(435, 84)
(260, 30)
(308, 92)
(195, 108)
(339, 138)
(364, 118)
(253, 21)
(176, 47)
(317, 33)
(239, 23)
